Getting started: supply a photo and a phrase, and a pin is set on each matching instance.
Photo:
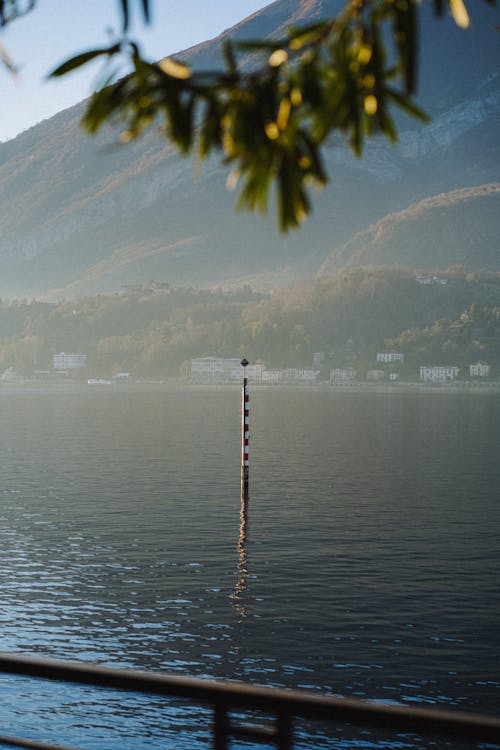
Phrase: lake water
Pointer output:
(370, 565)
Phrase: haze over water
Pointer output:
(368, 567)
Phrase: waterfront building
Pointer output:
(439, 374)
(9, 375)
(220, 369)
(64, 361)
(342, 374)
(390, 357)
(480, 370)
(272, 376)
(430, 280)
(290, 375)
(298, 373)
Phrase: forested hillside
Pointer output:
(458, 227)
(155, 329)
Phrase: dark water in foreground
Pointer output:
(370, 569)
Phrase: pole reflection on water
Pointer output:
(242, 567)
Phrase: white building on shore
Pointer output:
(220, 369)
(290, 375)
(480, 370)
(272, 376)
(390, 357)
(439, 374)
(63, 361)
(342, 374)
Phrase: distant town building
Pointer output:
(390, 357)
(393, 376)
(342, 374)
(375, 375)
(439, 374)
(65, 361)
(9, 375)
(272, 376)
(298, 373)
(290, 375)
(479, 370)
(430, 280)
(211, 368)
(319, 359)
(220, 369)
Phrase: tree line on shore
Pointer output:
(153, 330)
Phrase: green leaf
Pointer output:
(405, 28)
(229, 58)
(82, 59)
(125, 4)
(125, 15)
(407, 105)
(12, 9)
(145, 11)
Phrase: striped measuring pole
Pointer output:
(245, 435)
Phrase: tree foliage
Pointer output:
(150, 331)
(270, 122)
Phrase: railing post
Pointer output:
(284, 731)
(220, 730)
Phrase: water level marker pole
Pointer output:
(245, 435)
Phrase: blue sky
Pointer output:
(56, 29)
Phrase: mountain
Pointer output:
(82, 215)
(455, 228)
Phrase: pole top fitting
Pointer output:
(244, 362)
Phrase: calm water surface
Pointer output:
(370, 564)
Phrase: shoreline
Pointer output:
(142, 384)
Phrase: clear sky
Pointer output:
(57, 29)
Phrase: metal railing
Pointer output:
(285, 706)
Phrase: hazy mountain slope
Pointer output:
(456, 228)
(82, 215)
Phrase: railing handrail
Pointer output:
(280, 701)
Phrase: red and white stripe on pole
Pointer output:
(246, 420)
(245, 433)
